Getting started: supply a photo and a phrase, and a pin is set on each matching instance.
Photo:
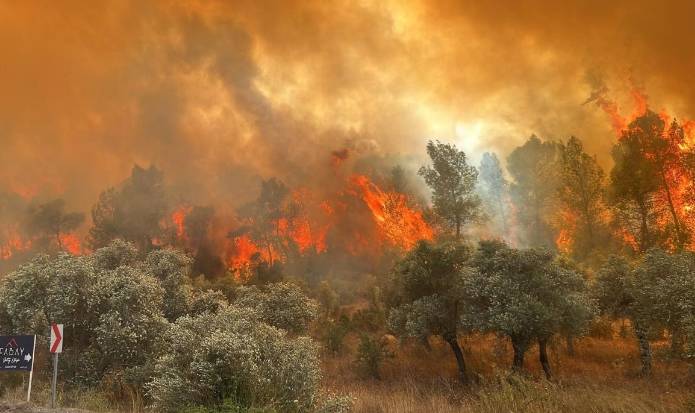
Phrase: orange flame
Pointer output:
(71, 243)
(178, 217)
(14, 243)
(243, 249)
(399, 223)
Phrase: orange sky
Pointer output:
(220, 94)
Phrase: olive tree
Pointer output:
(427, 296)
(655, 293)
(527, 295)
(667, 290)
(615, 291)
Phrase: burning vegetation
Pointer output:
(552, 194)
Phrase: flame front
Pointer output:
(400, 224)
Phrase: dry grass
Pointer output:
(602, 376)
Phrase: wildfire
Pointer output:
(13, 243)
(565, 237)
(71, 243)
(243, 249)
(178, 217)
(677, 182)
(305, 227)
(399, 223)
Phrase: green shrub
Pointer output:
(334, 334)
(371, 353)
(234, 356)
(282, 305)
(601, 327)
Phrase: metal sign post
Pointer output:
(56, 348)
(31, 372)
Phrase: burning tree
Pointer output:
(648, 182)
(50, 222)
(452, 182)
(131, 212)
(581, 193)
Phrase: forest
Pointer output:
(497, 283)
(291, 206)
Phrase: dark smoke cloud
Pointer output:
(222, 94)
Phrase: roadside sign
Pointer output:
(17, 353)
(56, 345)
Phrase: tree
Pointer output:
(581, 193)
(130, 327)
(649, 167)
(206, 259)
(495, 190)
(666, 288)
(427, 297)
(398, 180)
(132, 211)
(656, 293)
(526, 295)
(618, 294)
(371, 353)
(266, 214)
(452, 182)
(534, 169)
(108, 304)
(49, 221)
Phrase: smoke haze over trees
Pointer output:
(312, 206)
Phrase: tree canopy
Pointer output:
(452, 182)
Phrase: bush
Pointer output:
(601, 327)
(172, 269)
(371, 353)
(282, 305)
(334, 334)
(234, 356)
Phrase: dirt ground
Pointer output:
(6, 407)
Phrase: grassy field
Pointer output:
(602, 376)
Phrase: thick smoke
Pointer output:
(220, 95)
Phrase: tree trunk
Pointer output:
(645, 350)
(519, 347)
(570, 344)
(453, 343)
(543, 356)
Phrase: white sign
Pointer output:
(56, 338)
